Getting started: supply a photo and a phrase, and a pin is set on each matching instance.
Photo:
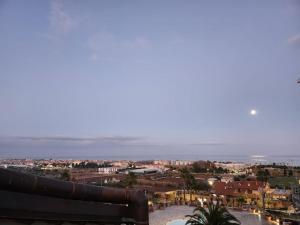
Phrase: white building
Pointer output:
(234, 167)
(227, 179)
(108, 170)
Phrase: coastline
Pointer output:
(291, 160)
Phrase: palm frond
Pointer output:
(213, 215)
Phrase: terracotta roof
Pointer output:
(236, 187)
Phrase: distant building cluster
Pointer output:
(168, 182)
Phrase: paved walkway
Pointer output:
(161, 217)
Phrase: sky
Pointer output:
(126, 78)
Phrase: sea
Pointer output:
(290, 160)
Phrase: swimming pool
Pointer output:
(177, 222)
(174, 215)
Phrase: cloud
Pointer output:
(105, 46)
(49, 36)
(65, 141)
(139, 42)
(207, 143)
(68, 141)
(110, 147)
(60, 22)
(293, 7)
(295, 39)
(74, 141)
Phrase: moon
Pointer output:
(253, 112)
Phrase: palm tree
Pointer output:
(241, 200)
(213, 215)
(184, 175)
(189, 182)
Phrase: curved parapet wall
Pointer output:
(129, 205)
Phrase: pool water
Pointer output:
(177, 222)
(245, 218)
(175, 215)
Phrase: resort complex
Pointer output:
(271, 191)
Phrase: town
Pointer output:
(269, 189)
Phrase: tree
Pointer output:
(89, 165)
(131, 165)
(130, 180)
(197, 167)
(268, 202)
(213, 215)
(262, 175)
(65, 175)
(202, 186)
(189, 182)
(241, 200)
